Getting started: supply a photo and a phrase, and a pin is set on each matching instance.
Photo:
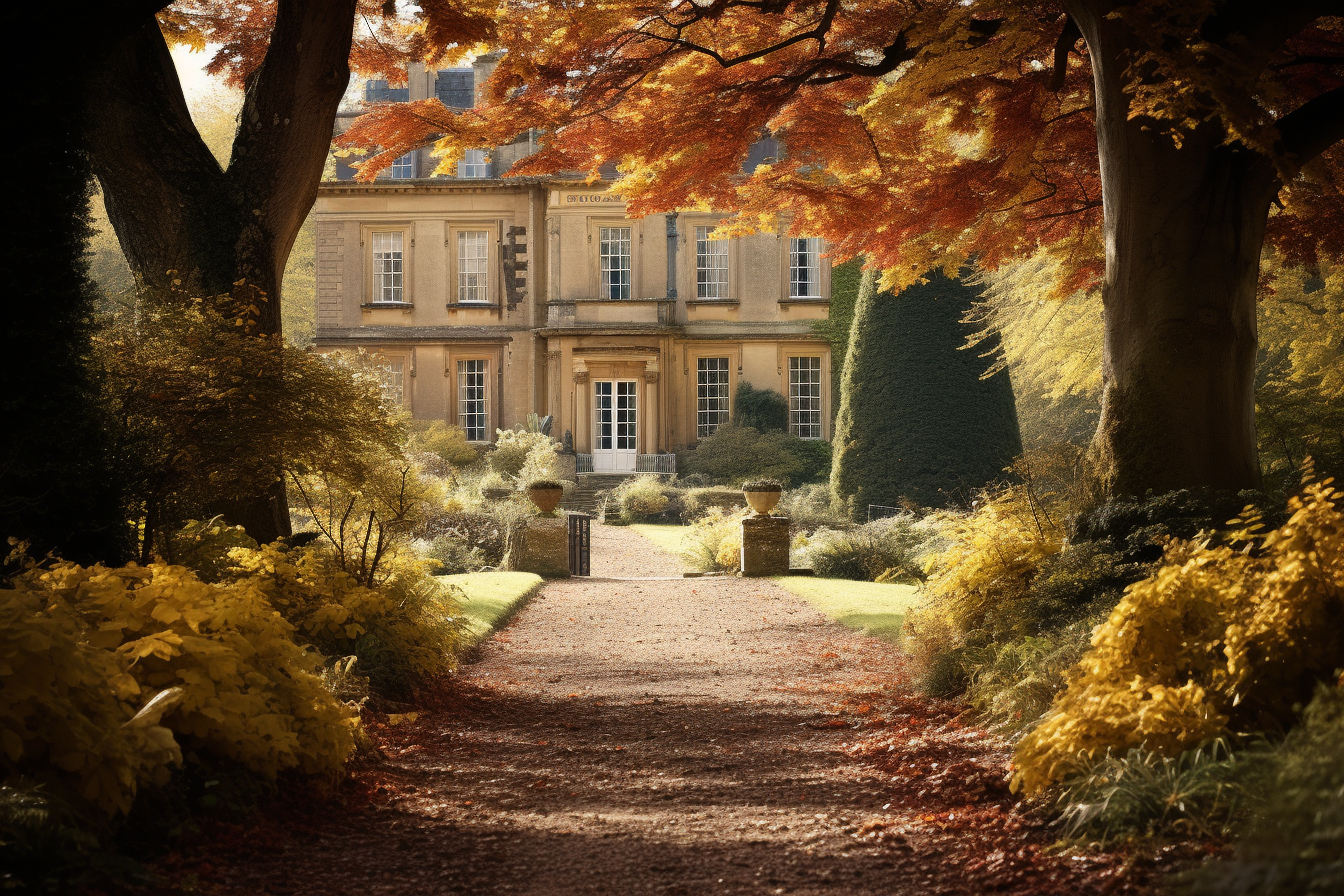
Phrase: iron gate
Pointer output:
(580, 544)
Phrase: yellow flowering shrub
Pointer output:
(1214, 638)
(215, 668)
(403, 631)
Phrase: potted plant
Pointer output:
(546, 494)
(762, 495)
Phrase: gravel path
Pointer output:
(695, 736)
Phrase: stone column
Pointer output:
(540, 544)
(765, 546)
(583, 411)
(652, 413)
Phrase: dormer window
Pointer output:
(403, 168)
(473, 164)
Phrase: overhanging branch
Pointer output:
(1313, 127)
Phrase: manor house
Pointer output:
(492, 297)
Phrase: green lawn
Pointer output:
(877, 610)
(490, 598)
(666, 535)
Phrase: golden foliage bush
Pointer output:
(642, 499)
(1215, 637)
(989, 556)
(447, 445)
(213, 668)
(403, 631)
(66, 708)
(714, 541)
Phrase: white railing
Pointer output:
(656, 463)
(584, 463)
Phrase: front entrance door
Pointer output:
(614, 425)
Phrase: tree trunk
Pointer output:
(225, 233)
(1183, 232)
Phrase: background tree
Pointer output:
(1145, 158)
(919, 421)
(1054, 351)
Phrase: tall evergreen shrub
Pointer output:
(57, 488)
(846, 279)
(916, 420)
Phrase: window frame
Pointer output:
(796, 426)
(704, 428)
(603, 283)
(466, 166)
(388, 365)
(491, 358)
(377, 289)
(459, 385)
(455, 234)
(723, 284)
(816, 245)
(687, 261)
(407, 165)
(366, 240)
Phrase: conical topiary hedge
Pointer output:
(917, 423)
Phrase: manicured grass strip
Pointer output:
(877, 610)
(668, 536)
(490, 598)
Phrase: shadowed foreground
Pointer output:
(663, 737)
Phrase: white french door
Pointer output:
(615, 423)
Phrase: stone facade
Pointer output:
(513, 295)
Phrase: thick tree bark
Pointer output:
(228, 233)
(1183, 232)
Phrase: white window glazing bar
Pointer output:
(387, 266)
(473, 266)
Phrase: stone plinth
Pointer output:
(765, 546)
(540, 544)
(569, 466)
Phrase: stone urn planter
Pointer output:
(546, 494)
(762, 495)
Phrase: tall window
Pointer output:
(473, 265)
(711, 265)
(614, 251)
(403, 167)
(805, 268)
(387, 266)
(711, 409)
(805, 397)
(394, 377)
(473, 164)
(472, 412)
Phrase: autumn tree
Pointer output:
(1151, 147)
(180, 216)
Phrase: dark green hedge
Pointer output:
(735, 454)
(834, 328)
(917, 423)
(762, 409)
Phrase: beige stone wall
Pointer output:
(546, 352)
